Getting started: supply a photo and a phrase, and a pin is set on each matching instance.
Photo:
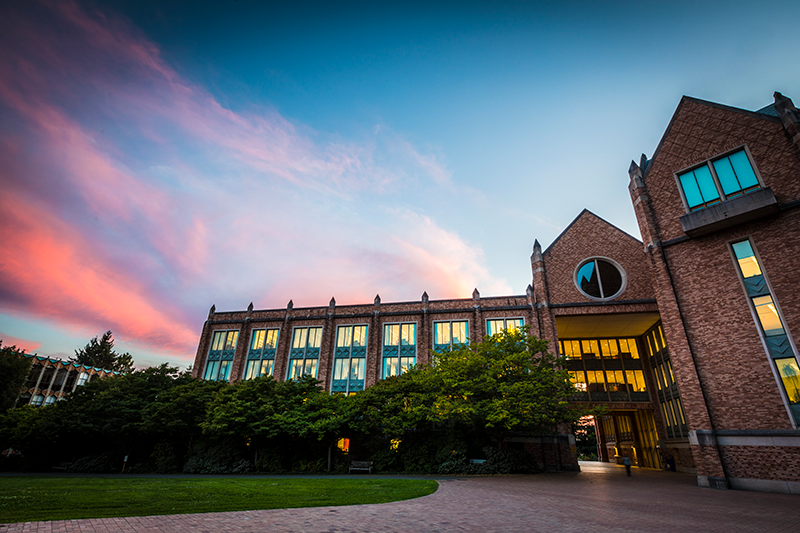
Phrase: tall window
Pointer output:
(220, 356)
(770, 322)
(304, 355)
(350, 359)
(496, 325)
(449, 334)
(399, 348)
(717, 180)
(261, 355)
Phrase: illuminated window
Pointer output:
(717, 180)
(83, 378)
(779, 349)
(220, 356)
(350, 359)
(399, 348)
(600, 278)
(304, 355)
(449, 334)
(37, 400)
(261, 355)
(496, 325)
(50, 400)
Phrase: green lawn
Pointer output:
(29, 498)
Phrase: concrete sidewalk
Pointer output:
(600, 498)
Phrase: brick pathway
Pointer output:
(600, 498)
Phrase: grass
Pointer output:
(33, 498)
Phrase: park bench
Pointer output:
(361, 465)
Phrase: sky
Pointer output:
(160, 157)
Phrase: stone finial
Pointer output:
(537, 251)
(332, 303)
(425, 297)
(476, 295)
(290, 305)
(783, 103)
(634, 171)
(250, 308)
(212, 311)
(529, 291)
(643, 163)
(377, 300)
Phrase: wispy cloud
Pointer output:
(133, 199)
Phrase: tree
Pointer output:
(14, 369)
(101, 354)
(507, 383)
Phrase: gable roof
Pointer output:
(583, 213)
(765, 113)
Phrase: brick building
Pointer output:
(684, 336)
(50, 380)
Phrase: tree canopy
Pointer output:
(14, 369)
(100, 354)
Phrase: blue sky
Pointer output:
(164, 156)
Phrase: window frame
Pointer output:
(223, 356)
(249, 359)
(623, 285)
(305, 348)
(504, 319)
(450, 345)
(709, 163)
(399, 345)
(349, 389)
(772, 361)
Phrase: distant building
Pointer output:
(684, 337)
(52, 379)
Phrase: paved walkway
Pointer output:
(600, 498)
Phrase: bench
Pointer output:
(361, 465)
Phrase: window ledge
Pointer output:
(730, 213)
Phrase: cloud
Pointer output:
(133, 199)
(22, 344)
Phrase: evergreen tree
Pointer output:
(100, 354)
(14, 369)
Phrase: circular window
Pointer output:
(600, 278)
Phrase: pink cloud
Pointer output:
(22, 344)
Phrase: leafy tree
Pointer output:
(100, 354)
(14, 369)
(507, 383)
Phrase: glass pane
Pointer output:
(311, 368)
(272, 338)
(219, 337)
(610, 278)
(258, 339)
(343, 336)
(442, 332)
(744, 170)
(707, 187)
(768, 316)
(580, 380)
(314, 337)
(358, 368)
(408, 334)
(576, 349)
(587, 280)
(299, 337)
(211, 371)
(341, 368)
(391, 334)
(266, 367)
(727, 177)
(360, 336)
(614, 348)
(671, 373)
(252, 369)
(295, 368)
(748, 263)
(389, 366)
(513, 324)
(459, 332)
(680, 410)
(659, 377)
(790, 375)
(566, 349)
(406, 362)
(690, 190)
(225, 370)
(230, 343)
